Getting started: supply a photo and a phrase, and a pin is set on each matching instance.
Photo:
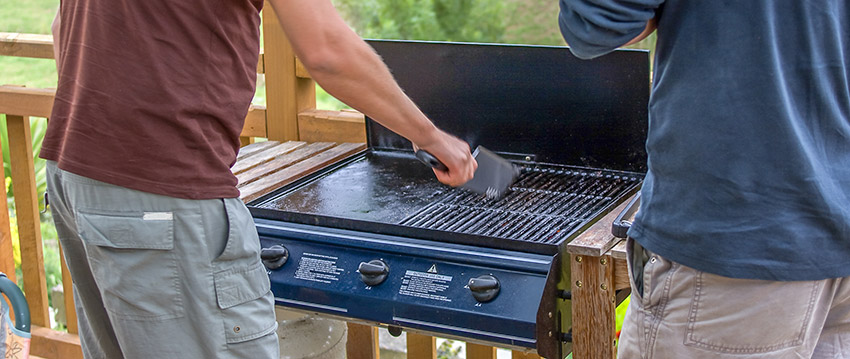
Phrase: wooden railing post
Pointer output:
(362, 342)
(478, 351)
(68, 296)
(286, 93)
(421, 346)
(7, 252)
(26, 212)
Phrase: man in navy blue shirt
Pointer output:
(741, 247)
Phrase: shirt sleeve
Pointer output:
(593, 28)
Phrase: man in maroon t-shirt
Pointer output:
(151, 99)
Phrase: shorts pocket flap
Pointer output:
(138, 230)
(234, 287)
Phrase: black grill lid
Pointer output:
(539, 101)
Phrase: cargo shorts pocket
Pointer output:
(246, 302)
(721, 304)
(133, 263)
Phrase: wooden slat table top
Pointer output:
(264, 166)
(597, 239)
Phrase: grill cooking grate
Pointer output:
(545, 205)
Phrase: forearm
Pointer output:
(650, 27)
(344, 65)
(362, 81)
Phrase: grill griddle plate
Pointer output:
(392, 193)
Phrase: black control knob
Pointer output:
(275, 256)
(373, 272)
(484, 288)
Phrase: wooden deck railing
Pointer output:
(290, 114)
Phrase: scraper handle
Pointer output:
(429, 159)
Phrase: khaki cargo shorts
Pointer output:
(681, 312)
(162, 277)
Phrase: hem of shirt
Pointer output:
(791, 272)
(135, 183)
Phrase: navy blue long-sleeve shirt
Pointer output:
(749, 130)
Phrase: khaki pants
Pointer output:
(162, 277)
(685, 313)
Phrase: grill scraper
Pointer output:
(492, 177)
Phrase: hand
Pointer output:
(452, 152)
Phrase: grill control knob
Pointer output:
(274, 257)
(373, 272)
(484, 288)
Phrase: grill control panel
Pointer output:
(457, 290)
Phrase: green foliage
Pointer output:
(438, 20)
(445, 350)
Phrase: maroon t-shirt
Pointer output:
(153, 94)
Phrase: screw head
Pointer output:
(550, 314)
(604, 261)
(604, 286)
(578, 259)
(578, 283)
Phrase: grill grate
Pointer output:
(545, 205)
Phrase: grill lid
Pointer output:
(538, 101)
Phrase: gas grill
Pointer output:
(375, 238)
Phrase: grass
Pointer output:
(31, 17)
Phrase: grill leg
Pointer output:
(593, 304)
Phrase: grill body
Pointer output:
(575, 128)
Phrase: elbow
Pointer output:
(580, 39)
(319, 63)
(328, 57)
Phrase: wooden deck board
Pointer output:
(597, 239)
(274, 177)
(266, 155)
(253, 148)
(286, 160)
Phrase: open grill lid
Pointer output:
(539, 102)
(577, 127)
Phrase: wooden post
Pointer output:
(26, 210)
(68, 291)
(478, 351)
(362, 342)
(421, 346)
(7, 253)
(286, 93)
(593, 304)
(521, 355)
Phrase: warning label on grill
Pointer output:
(318, 268)
(425, 285)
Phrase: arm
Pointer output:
(649, 29)
(349, 69)
(54, 28)
(596, 27)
